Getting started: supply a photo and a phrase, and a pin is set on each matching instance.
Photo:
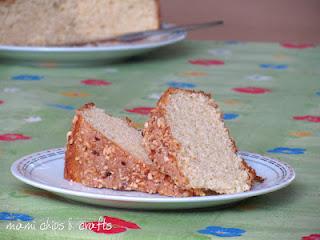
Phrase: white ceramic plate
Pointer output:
(89, 53)
(45, 170)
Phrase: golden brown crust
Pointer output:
(251, 173)
(95, 161)
(170, 91)
(163, 148)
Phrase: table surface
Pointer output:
(249, 20)
(270, 95)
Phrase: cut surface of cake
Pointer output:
(106, 152)
(67, 22)
(187, 139)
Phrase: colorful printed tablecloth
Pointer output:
(270, 94)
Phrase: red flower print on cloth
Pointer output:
(140, 110)
(110, 225)
(1, 102)
(252, 90)
(95, 82)
(10, 137)
(307, 118)
(206, 62)
(297, 45)
(315, 236)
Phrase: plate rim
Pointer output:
(135, 199)
(178, 36)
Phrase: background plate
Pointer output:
(33, 170)
(88, 54)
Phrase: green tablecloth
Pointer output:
(270, 95)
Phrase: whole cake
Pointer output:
(187, 139)
(68, 22)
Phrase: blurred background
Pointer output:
(249, 20)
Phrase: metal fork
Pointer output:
(131, 37)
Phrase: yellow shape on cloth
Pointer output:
(75, 94)
(47, 64)
(282, 57)
(300, 134)
(232, 102)
(194, 74)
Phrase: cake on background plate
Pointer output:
(68, 22)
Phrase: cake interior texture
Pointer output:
(62, 22)
(118, 131)
(207, 155)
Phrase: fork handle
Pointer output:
(191, 27)
(182, 28)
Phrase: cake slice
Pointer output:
(68, 22)
(187, 139)
(106, 152)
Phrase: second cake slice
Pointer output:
(187, 139)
